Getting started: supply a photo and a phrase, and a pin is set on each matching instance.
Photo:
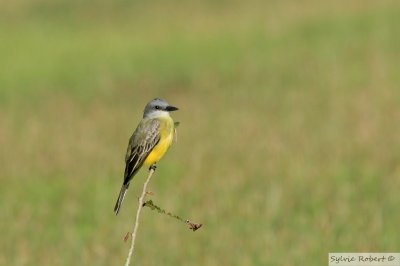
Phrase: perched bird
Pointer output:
(148, 144)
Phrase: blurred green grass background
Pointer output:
(288, 145)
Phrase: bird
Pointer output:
(149, 142)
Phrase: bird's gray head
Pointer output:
(158, 107)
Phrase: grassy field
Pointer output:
(289, 143)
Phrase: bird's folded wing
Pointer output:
(142, 142)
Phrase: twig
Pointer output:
(128, 259)
(152, 206)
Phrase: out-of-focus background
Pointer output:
(288, 148)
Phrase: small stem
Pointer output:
(141, 199)
(152, 206)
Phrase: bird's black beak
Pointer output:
(171, 108)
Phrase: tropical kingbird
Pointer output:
(148, 143)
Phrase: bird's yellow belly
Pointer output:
(159, 150)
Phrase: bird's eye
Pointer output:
(157, 107)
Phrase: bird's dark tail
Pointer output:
(120, 198)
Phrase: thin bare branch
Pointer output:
(152, 206)
(136, 226)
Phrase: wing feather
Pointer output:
(142, 142)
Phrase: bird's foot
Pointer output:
(153, 167)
